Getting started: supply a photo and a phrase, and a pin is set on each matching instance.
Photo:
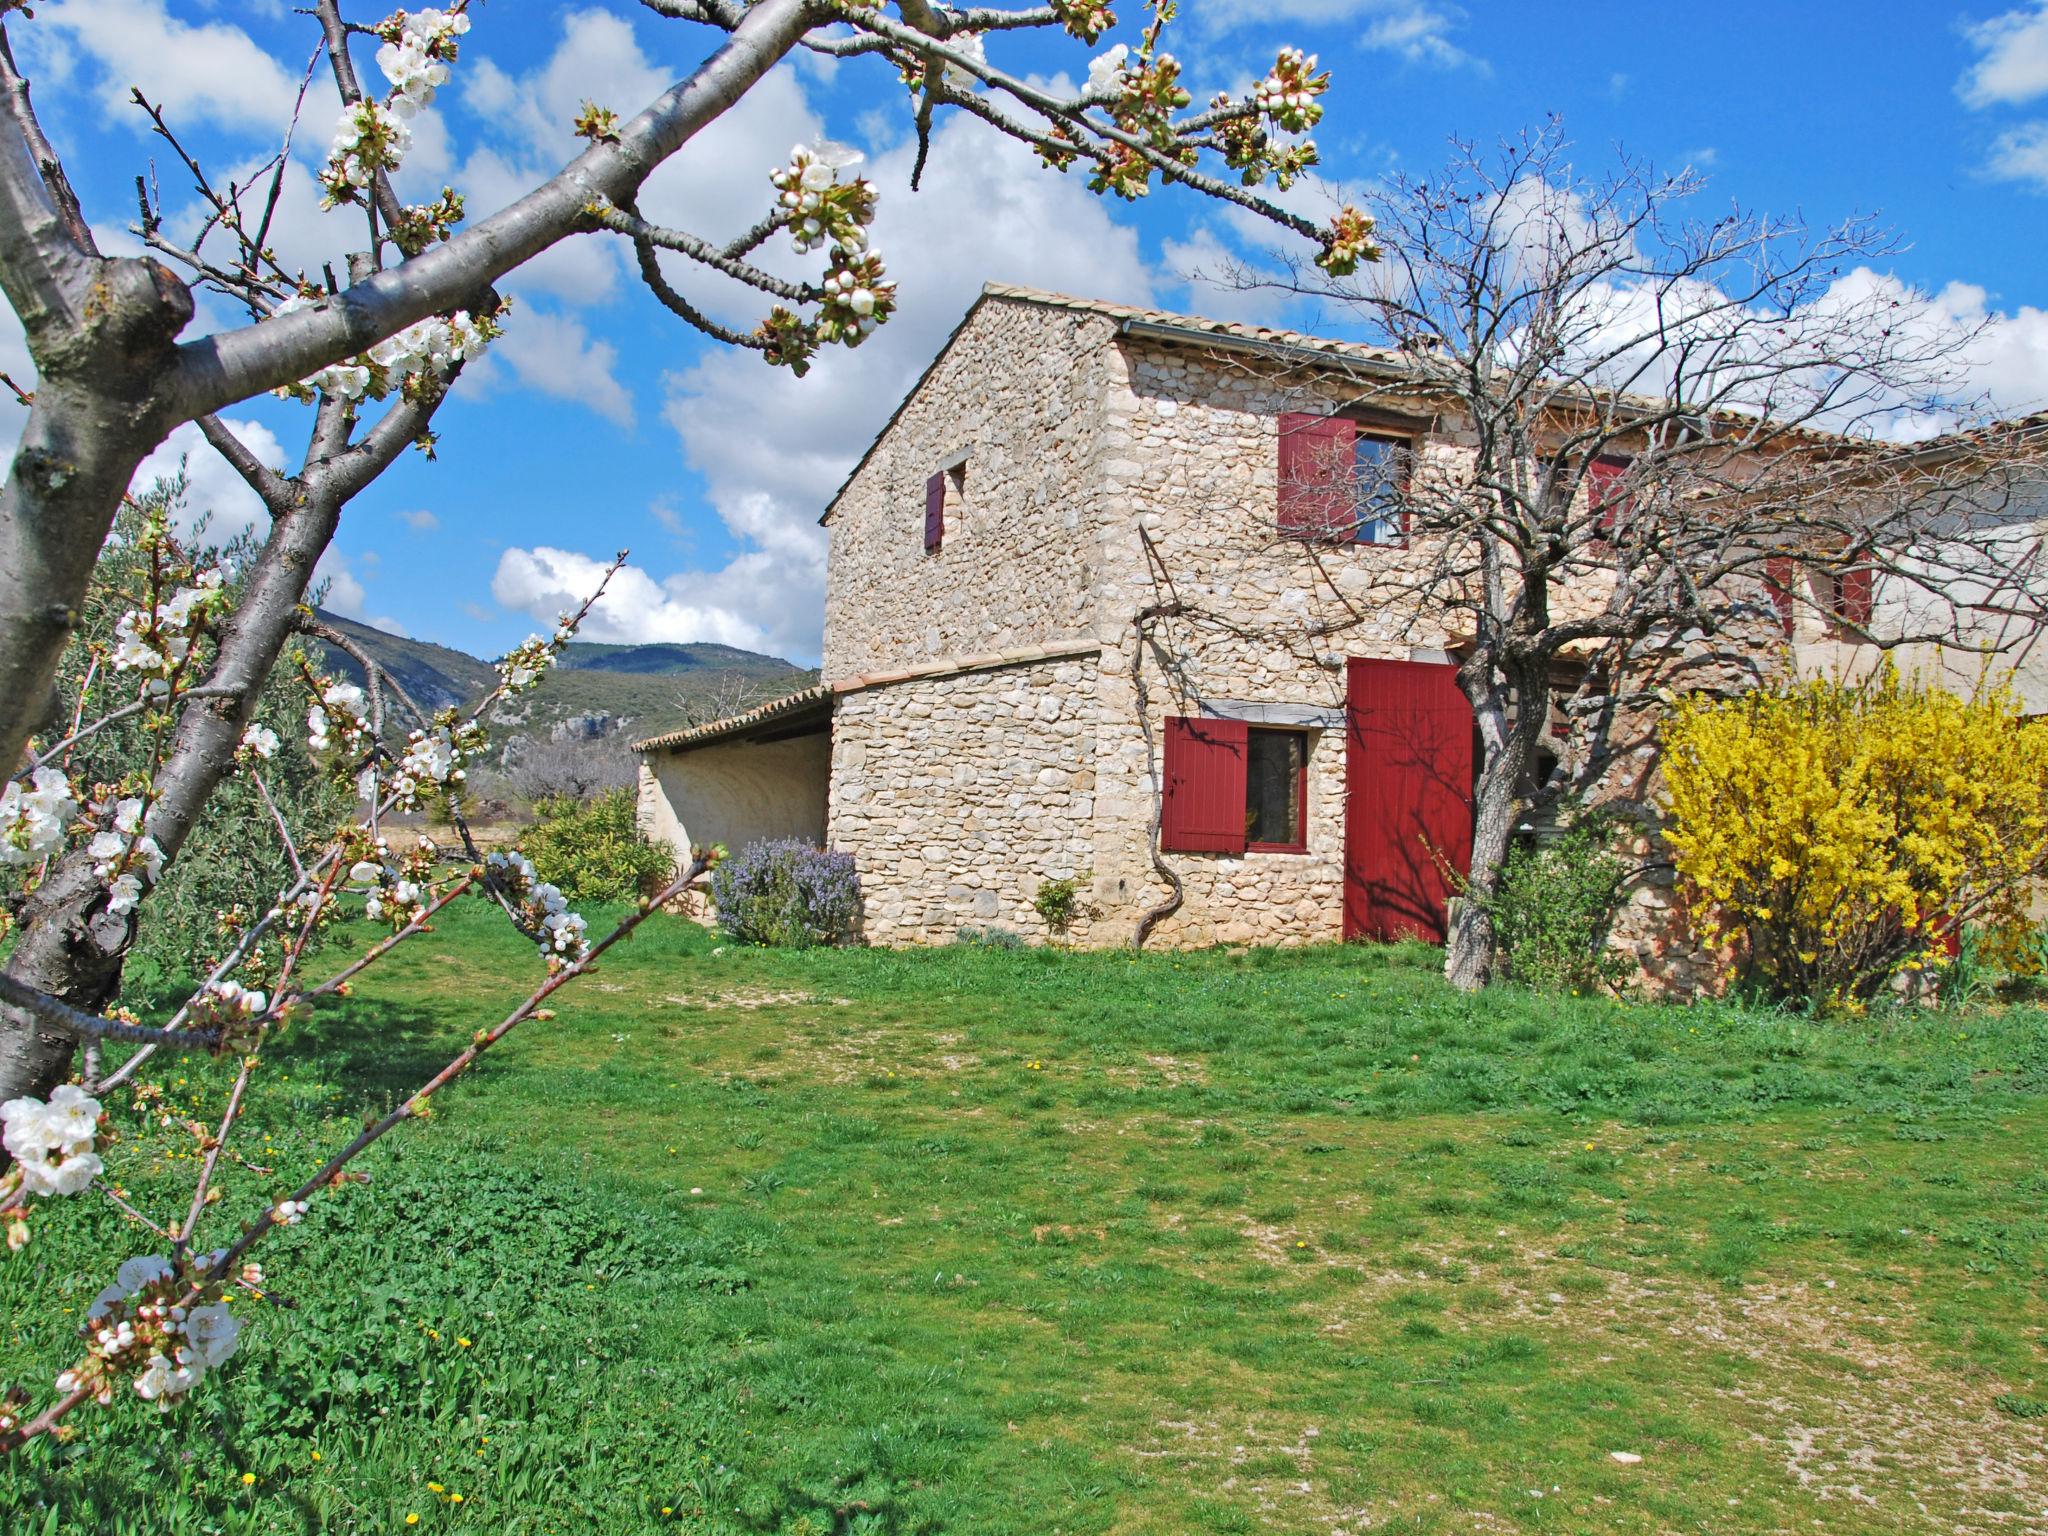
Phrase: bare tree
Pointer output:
(1670, 450)
(413, 301)
(724, 694)
(575, 767)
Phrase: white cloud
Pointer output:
(2013, 68)
(1420, 34)
(1418, 30)
(206, 72)
(213, 489)
(420, 520)
(1211, 268)
(635, 608)
(2021, 154)
(555, 355)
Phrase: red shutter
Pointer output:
(1779, 575)
(934, 512)
(1408, 798)
(1603, 494)
(1856, 590)
(1203, 807)
(1316, 474)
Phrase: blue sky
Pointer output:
(600, 423)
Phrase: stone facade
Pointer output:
(960, 795)
(1013, 408)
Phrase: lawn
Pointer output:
(988, 1241)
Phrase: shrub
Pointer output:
(1059, 903)
(784, 891)
(1838, 834)
(1554, 907)
(594, 849)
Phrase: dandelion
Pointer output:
(248, 1478)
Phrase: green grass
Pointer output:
(1012, 1241)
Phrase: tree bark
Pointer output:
(1510, 716)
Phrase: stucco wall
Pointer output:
(1018, 392)
(958, 796)
(736, 793)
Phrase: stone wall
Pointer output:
(1191, 469)
(959, 795)
(1016, 396)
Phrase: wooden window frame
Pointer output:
(1300, 787)
(1409, 444)
(1607, 513)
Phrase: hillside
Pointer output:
(596, 690)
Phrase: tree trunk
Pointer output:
(94, 419)
(1510, 712)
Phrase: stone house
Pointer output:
(1078, 626)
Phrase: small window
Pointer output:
(1275, 790)
(944, 493)
(1382, 466)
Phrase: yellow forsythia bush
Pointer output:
(1834, 833)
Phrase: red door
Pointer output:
(1408, 798)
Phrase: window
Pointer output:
(1380, 472)
(1275, 789)
(1230, 787)
(1851, 592)
(1340, 481)
(947, 488)
(935, 513)
(1781, 582)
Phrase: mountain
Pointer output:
(595, 690)
(434, 675)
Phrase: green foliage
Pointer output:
(1059, 903)
(594, 849)
(1554, 907)
(233, 855)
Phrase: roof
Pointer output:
(792, 709)
(1142, 322)
(798, 712)
(1131, 319)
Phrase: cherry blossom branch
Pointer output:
(54, 1010)
(683, 243)
(284, 832)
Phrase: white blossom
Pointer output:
(52, 1142)
(32, 820)
(261, 740)
(369, 138)
(970, 45)
(1106, 70)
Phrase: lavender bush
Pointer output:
(783, 891)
